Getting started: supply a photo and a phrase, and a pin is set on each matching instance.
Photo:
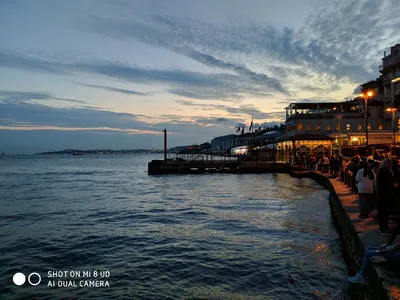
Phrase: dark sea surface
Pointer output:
(208, 236)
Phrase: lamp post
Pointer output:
(393, 110)
(366, 95)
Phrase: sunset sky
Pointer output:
(92, 74)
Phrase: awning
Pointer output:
(307, 137)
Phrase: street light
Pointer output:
(393, 110)
(366, 95)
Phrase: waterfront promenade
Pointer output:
(368, 234)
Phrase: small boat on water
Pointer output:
(76, 153)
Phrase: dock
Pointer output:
(215, 164)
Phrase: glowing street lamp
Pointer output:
(393, 110)
(366, 95)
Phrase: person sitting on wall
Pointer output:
(387, 252)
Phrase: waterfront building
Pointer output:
(390, 69)
(343, 122)
(309, 124)
(227, 142)
(231, 141)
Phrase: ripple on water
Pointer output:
(215, 236)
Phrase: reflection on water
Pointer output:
(212, 236)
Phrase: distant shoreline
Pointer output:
(101, 152)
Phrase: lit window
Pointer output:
(359, 126)
(380, 127)
(329, 127)
(300, 126)
(318, 127)
(348, 127)
(309, 127)
(369, 126)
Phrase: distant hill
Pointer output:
(100, 152)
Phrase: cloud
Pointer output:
(242, 110)
(22, 127)
(116, 90)
(222, 94)
(259, 78)
(195, 85)
(25, 116)
(42, 115)
(10, 59)
(357, 91)
(339, 39)
(222, 119)
(16, 96)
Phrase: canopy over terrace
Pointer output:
(321, 107)
(304, 144)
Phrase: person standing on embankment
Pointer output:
(396, 186)
(365, 178)
(384, 192)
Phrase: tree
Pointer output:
(396, 101)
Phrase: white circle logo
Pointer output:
(19, 278)
(34, 283)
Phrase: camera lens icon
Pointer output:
(19, 279)
(33, 278)
(38, 280)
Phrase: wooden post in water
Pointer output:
(165, 144)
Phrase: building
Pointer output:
(227, 142)
(310, 125)
(390, 69)
(256, 139)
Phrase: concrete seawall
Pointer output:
(355, 236)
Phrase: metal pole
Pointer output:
(340, 130)
(165, 144)
(394, 132)
(366, 124)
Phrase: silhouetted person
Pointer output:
(366, 179)
(396, 186)
(384, 190)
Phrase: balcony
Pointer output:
(390, 62)
(345, 115)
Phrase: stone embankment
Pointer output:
(383, 280)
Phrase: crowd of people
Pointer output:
(376, 180)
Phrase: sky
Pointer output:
(112, 74)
